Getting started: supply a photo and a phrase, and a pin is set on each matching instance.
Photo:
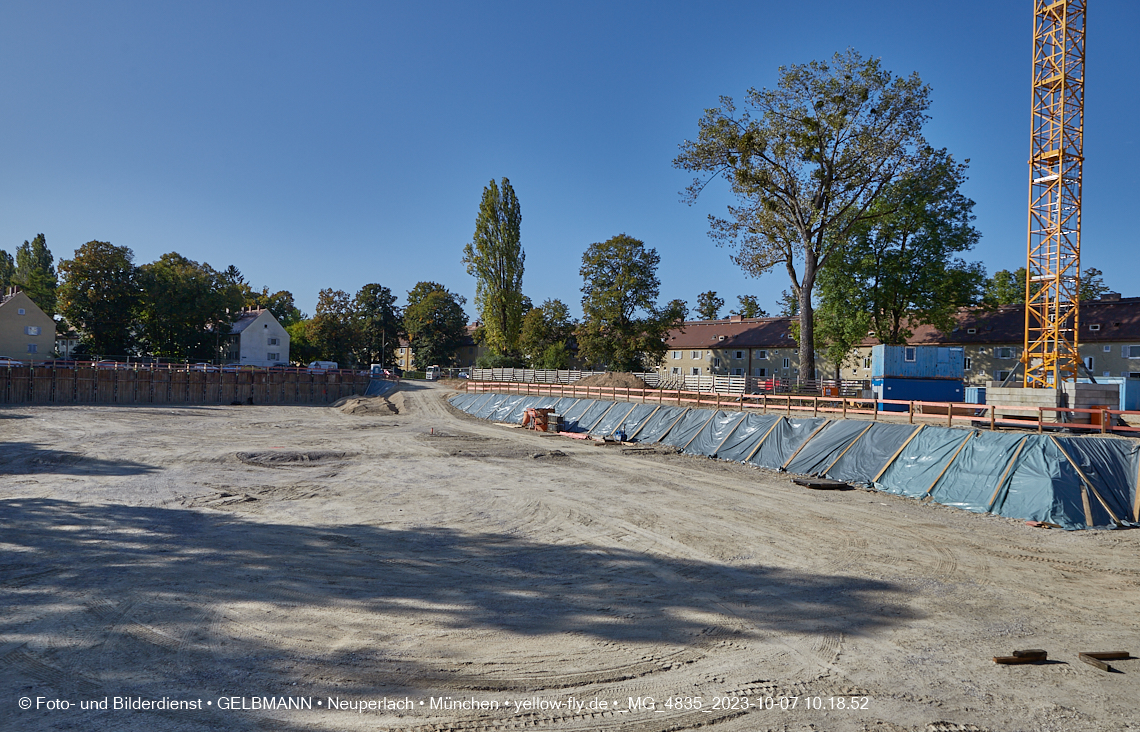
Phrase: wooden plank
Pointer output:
(1015, 659)
(948, 464)
(761, 442)
(644, 422)
(1095, 662)
(718, 447)
(849, 446)
(803, 444)
(698, 432)
(662, 437)
(822, 484)
(1037, 653)
(1005, 473)
(897, 453)
(1108, 655)
(1085, 478)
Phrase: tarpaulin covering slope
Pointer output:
(506, 406)
(658, 424)
(573, 413)
(863, 461)
(744, 438)
(784, 440)
(826, 446)
(921, 461)
(531, 402)
(1110, 465)
(685, 430)
(459, 401)
(565, 403)
(487, 408)
(639, 416)
(712, 434)
(1044, 486)
(972, 478)
(590, 417)
(612, 419)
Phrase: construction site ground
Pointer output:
(416, 570)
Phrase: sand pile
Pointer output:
(376, 405)
(620, 379)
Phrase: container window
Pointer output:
(910, 354)
(1134, 374)
(1094, 326)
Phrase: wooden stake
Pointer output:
(761, 442)
(643, 423)
(833, 462)
(948, 464)
(1008, 467)
(738, 423)
(804, 444)
(1084, 478)
(897, 453)
(682, 414)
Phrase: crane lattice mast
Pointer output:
(1053, 267)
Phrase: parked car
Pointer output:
(204, 367)
(464, 375)
(10, 362)
(107, 363)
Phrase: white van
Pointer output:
(319, 367)
(431, 373)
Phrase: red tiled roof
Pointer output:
(745, 333)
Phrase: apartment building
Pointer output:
(760, 347)
(27, 334)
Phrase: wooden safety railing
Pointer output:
(946, 413)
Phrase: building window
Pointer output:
(1134, 374)
(967, 363)
(273, 357)
(32, 330)
(273, 341)
(32, 348)
(787, 362)
(762, 355)
(739, 355)
(971, 331)
(716, 363)
(910, 353)
(866, 363)
(1132, 351)
(1089, 363)
(695, 355)
(760, 373)
(676, 371)
(1107, 349)
(676, 355)
(695, 371)
(738, 372)
(21, 311)
(1001, 374)
(1094, 326)
(1003, 352)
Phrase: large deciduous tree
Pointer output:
(99, 296)
(1008, 288)
(900, 269)
(546, 331)
(435, 323)
(379, 322)
(709, 305)
(187, 307)
(622, 328)
(35, 273)
(333, 326)
(495, 258)
(807, 161)
(749, 307)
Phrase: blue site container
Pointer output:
(917, 362)
(1129, 390)
(975, 395)
(918, 390)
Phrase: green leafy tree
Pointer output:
(435, 323)
(900, 270)
(100, 296)
(186, 307)
(709, 305)
(623, 328)
(678, 306)
(1092, 284)
(280, 304)
(7, 271)
(334, 327)
(35, 273)
(807, 162)
(749, 307)
(303, 349)
(789, 305)
(1008, 288)
(379, 322)
(495, 258)
(546, 331)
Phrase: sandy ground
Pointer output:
(245, 556)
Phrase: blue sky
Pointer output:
(320, 145)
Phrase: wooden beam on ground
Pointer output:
(1095, 662)
(897, 453)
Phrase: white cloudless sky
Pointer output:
(332, 145)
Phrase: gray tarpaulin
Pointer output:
(588, 418)
(527, 402)
(818, 454)
(659, 424)
(573, 413)
(639, 416)
(488, 407)
(506, 406)
(972, 479)
(712, 434)
(870, 453)
(460, 401)
(1110, 465)
(612, 420)
(1043, 486)
(784, 439)
(915, 469)
(692, 423)
(564, 404)
(745, 437)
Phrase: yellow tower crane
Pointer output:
(1053, 266)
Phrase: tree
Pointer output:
(186, 307)
(379, 322)
(302, 347)
(1092, 284)
(809, 167)
(544, 336)
(99, 296)
(280, 304)
(35, 273)
(709, 305)
(1008, 288)
(623, 328)
(333, 327)
(495, 258)
(679, 306)
(900, 270)
(789, 305)
(435, 323)
(7, 271)
(749, 307)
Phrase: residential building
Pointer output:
(759, 347)
(257, 339)
(26, 332)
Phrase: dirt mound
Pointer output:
(376, 405)
(290, 457)
(620, 379)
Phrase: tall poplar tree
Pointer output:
(495, 258)
(35, 273)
